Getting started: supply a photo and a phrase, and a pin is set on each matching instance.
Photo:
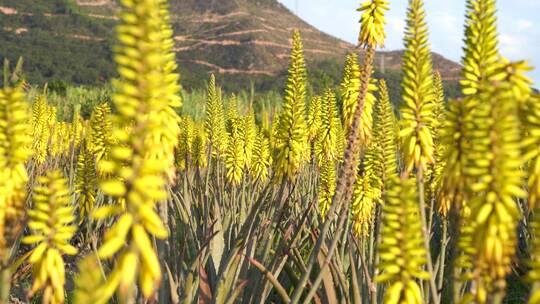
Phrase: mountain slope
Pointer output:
(242, 41)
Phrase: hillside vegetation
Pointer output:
(241, 41)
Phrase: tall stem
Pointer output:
(346, 177)
(373, 287)
(426, 231)
(5, 284)
(443, 255)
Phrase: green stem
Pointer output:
(443, 255)
(453, 272)
(347, 174)
(339, 230)
(268, 275)
(373, 288)
(5, 285)
(426, 232)
(357, 297)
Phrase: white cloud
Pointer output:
(396, 24)
(530, 3)
(524, 24)
(448, 22)
(446, 32)
(512, 46)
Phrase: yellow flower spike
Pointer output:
(531, 142)
(234, 157)
(51, 224)
(366, 193)
(41, 130)
(172, 79)
(39, 111)
(372, 32)
(14, 152)
(385, 137)
(454, 137)
(350, 90)
(85, 181)
(481, 45)
(327, 141)
(261, 157)
(534, 263)
(402, 245)
(514, 74)
(61, 139)
(147, 254)
(214, 124)
(433, 174)
(327, 185)
(291, 138)
(249, 134)
(100, 131)
(76, 129)
(417, 83)
(128, 263)
(146, 280)
(199, 148)
(494, 167)
(314, 118)
(232, 109)
(89, 282)
(341, 142)
(185, 142)
(51, 115)
(145, 132)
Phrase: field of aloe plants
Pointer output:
(144, 193)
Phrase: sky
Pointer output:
(518, 24)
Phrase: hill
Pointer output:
(242, 41)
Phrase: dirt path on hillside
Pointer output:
(222, 70)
